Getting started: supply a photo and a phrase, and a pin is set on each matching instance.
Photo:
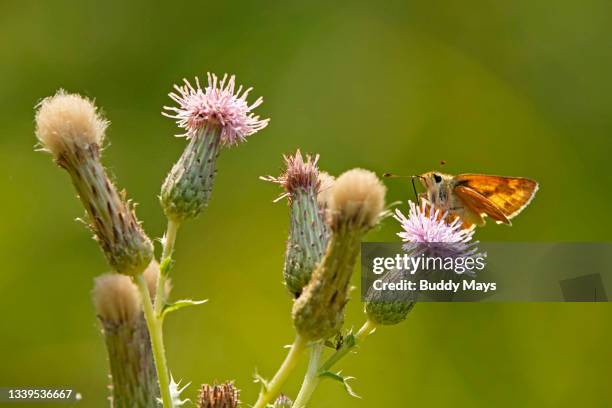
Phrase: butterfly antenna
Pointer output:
(416, 196)
(391, 175)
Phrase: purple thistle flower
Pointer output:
(421, 227)
(428, 232)
(218, 104)
(299, 175)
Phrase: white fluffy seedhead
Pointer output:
(65, 120)
(357, 196)
(326, 181)
(151, 274)
(116, 298)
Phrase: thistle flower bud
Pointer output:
(308, 233)
(218, 396)
(188, 187)
(71, 129)
(214, 117)
(119, 309)
(356, 200)
(283, 402)
(389, 307)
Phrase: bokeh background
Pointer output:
(514, 88)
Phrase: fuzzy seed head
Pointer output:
(116, 298)
(218, 104)
(357, 196)
(326, 181)
(65, 120)
(299, 175)
(151, 274)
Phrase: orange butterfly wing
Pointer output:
(480, 204)
(510, 195)
(450, 216)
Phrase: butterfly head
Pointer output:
(431, 179)
(437, 185)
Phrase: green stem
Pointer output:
(169, 240)
(269, 393)
(311, 379)
(154, 324)
(313, 375)
(365, 330)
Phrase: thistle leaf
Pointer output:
(179, 304)
(342, 379)
(257, 378)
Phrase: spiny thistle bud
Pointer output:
(218, 396)
(389, 307)
(71, 129)
(119, 309)
(283, 402)
(356, 201)
(212, 118)
(308, 233)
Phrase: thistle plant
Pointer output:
(422, 229)
(308, 234)
(351, 205)
(328, 219)
(119, 310)
(70, 128)
(356, 202)
(213, 118)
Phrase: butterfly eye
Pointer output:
(437, 178)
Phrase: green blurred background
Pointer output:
(517, 88)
